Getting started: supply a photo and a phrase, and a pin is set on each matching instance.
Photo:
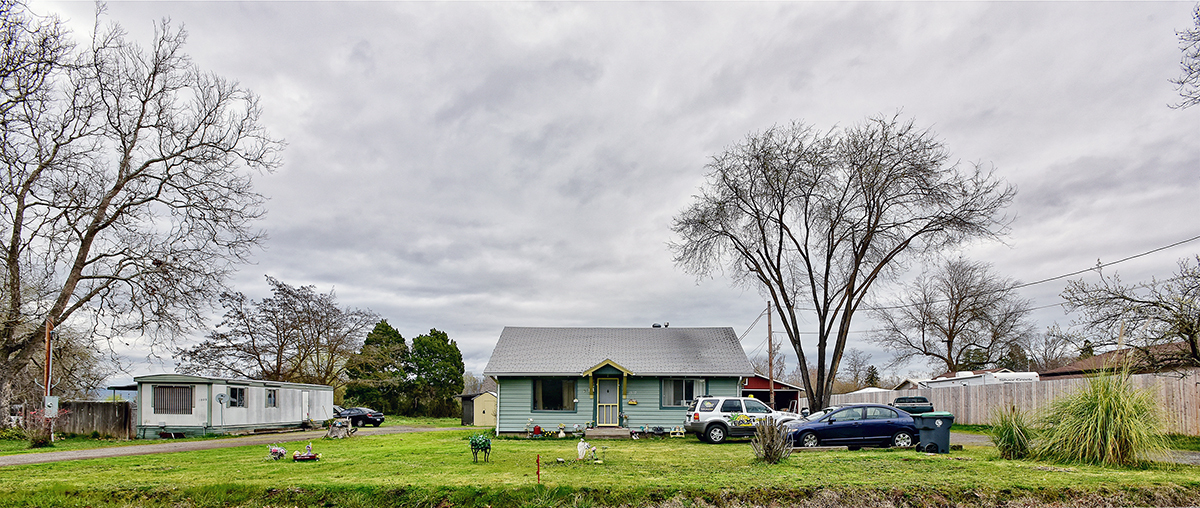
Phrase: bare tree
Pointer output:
(126, 188)
(1160, 319)
(1050, 350)
(857, 362)
(962, 316)
(813, 220)
(296, 335)
(1188, 83)
(761, 363)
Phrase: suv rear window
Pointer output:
(707, 405)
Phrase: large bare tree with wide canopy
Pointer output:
(125, 185)
(815, 219)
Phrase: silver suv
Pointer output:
(715, 418)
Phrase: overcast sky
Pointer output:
(468, 166)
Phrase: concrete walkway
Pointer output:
(152, 447)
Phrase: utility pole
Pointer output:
(770, 357)
(50, 404)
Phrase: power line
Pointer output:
(1098, 266)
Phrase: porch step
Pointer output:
(607, 433)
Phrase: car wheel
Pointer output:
(853, 448)
(714, 434)
(376, 423)
(358, 422)
(809, 440)
(902, 440)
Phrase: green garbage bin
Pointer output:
(935, 431)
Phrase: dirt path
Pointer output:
(184, 446)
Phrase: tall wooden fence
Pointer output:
(1179, 396)
(108, 418)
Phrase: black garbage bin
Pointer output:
(935, 431)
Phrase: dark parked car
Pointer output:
(360, 416)
(854, 427)
(913, 405)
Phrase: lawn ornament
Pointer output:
(537, 431)
(583, 449)
(308, 455)
(481, 443)
(276, 452)
(340, 428)
(562, 430)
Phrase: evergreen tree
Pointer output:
(378, 373)
(872, 377)
(437, 375)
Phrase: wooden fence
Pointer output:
(1179, 396)
(108, 418)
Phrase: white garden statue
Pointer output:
(583, 448)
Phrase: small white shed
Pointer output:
(178, 405)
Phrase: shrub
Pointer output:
(1011, 432)
(13, 434)
(770, 441)
(1108, 422)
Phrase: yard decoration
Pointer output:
(562, 430)
(481, 442)
(340, 428)
(583, 449)
(307, 456)
(276, 452)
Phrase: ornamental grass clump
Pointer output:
(770, 441)
(1011, 432)
(1107, 422)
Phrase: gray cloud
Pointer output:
(468, 166)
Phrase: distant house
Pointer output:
(759, 387)
(1135, 358)
(980, 377)
(478, 409)
(610, 377)
(177, 405)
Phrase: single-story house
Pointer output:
(1138, 360)
(610, 377)
(177, 405)
(478, 409)
(986, 377)
(759, 387)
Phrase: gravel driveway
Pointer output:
(184, 446)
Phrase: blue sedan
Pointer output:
(854, 427)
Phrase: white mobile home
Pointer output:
(177, 405)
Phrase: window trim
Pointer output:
(155, 398)
(533, 389)
(697, 391)
(235, 401)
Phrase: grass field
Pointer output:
(435, 469)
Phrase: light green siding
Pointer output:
(516, 407)
(516, 404)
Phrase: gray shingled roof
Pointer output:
(644, 351)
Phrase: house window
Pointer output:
(173, 400)
(554, 395)
(237, 397)
(679, 392)
(272, 398)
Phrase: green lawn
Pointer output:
(435, 469)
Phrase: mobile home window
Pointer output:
(272, 398)
(554, 395)
(237, 397)
(679, 392)
(173, 400)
